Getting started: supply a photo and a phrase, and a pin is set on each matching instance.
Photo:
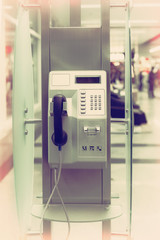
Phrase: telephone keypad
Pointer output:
(92, 103)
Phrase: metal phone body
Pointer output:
(85, 119)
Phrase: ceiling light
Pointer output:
(116, 57)
(138, 5)
(8, 7)
(146, 5)
(155, 49)
(138, 31)
(144, 21)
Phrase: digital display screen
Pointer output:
(88, 80)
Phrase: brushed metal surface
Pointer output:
(75, 48)
(79, 186)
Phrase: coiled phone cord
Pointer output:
(65, 211)
(51, 195)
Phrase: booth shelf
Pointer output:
(77, 212)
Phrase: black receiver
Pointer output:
(59, 137)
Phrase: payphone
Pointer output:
(77, 119)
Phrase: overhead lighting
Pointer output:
(146, 5)
(117, 57)
(144, 21)
(138, 31)
(116, 64)
(155, 49)
(115, 50)
(8, 7)
(138, 5)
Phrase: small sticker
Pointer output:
(99, 148)
(91, 148)
(84, 148)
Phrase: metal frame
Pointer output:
(128, 117)
(47, 175)
(46, 68)
(128, 103)
(128, 121)
(46, 172)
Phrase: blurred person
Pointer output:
(140, 87)
(151, 78)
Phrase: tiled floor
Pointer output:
(146, 169)
(146, 186)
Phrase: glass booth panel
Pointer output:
(60, 13)
(90, 13)
(66, 13)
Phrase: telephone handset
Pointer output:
(59, 137)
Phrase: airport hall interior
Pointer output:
(80, 119)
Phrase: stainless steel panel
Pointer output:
(105, 15)
(79, 186)
(75, 48)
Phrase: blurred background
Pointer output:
(145, 45)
